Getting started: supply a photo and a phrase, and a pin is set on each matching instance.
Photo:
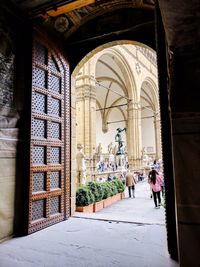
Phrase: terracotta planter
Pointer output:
(115, 198)
(118, 196)
(107, 202)
(88, 208)
(122, 195)
(98, 206)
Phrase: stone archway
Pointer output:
(88, 80)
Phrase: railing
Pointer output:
(102, 176)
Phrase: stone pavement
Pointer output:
(136, 210)
(80, 242)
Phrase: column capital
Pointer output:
(85, 80)
(134, 106)
(85, 91)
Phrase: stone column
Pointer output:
(134, 135)
(139, 129)
(86, 117)
(89, 119)
(157, 137)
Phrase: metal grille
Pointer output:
(55, 205)
(55, 130)
(54, 65)
(55, 107)
(40, 78)
(39, 181)
(40, 53)
(55, 155)
(55, 180)
(55, 84)
(39, 103)
(39, 155)
(38, 209)
(39, 128)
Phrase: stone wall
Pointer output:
(9, 117)
(8, 132)
(8, 143)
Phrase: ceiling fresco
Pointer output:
(65, 17)
(83, 25)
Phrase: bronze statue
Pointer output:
(118, 139)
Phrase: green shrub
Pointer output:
(84, 196)
(113, 188)
(106, 190)
(109, 186)
(119, 184)
(96, 189)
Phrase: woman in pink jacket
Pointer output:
(156, 183)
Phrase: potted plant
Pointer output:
(97, 190)
(107, 194)
(120, 187)
(114, 187)
(84, 199)
(106, 190)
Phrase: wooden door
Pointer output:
(49, 189)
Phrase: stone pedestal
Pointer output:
(120, 160)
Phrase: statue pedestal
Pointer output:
(120, 160)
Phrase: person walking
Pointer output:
(149, 179)
(130, 183)
(156, 182)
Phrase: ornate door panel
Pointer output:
(49, 191)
